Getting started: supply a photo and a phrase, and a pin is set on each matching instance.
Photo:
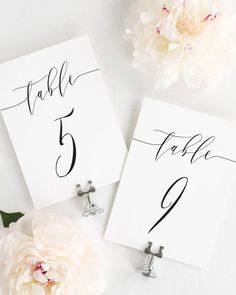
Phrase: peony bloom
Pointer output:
(45, 255)
(187, 38)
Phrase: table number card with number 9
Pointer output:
(60, 121)
(176, 182)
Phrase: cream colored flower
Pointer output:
(46, 255)
(192, 39)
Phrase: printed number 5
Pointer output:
(61, 142)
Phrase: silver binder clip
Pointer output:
(148, 268)
(91, 208)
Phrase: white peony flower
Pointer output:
(192, 39)
(46, 255)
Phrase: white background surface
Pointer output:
(26, 26)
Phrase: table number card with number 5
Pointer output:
(60, 121)
(176, 182)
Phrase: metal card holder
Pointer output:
(147, 269)
(91, 208)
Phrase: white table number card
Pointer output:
(176, 183)
(60, 121)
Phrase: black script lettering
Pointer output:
(61, 142)
(171, 204)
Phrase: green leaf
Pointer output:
(8, 218)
